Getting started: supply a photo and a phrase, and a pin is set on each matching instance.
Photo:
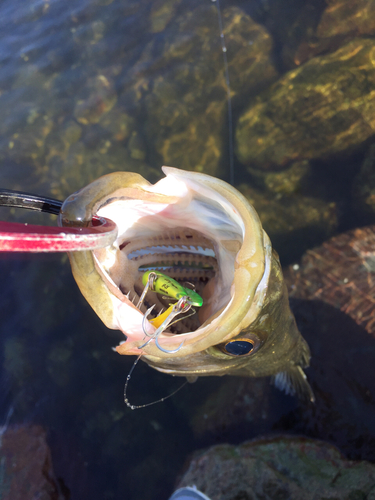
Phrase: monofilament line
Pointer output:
(136, 407)
(229, 98)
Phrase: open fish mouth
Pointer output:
(183, 254)
(191, 227)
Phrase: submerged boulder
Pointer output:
(364, 186)
(26, 467)
(293, 221)
(347, 17)
(324, 108)
(182, 76)
(320, 27)
(340, 273)
(279, 468)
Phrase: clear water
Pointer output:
(57, 366)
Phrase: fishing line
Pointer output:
(229, 98)
(136, 407)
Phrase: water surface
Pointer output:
(79, 82)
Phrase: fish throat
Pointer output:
(183, 254)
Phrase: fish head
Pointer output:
(197, 229)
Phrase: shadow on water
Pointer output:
(341, 375)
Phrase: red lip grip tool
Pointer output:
(18, 237)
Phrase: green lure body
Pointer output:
(165, 285)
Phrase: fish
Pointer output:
(200, 233)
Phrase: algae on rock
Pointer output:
(184, 89)
(323, 108)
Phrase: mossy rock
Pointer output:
(322, 109)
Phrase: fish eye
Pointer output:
(239, 347)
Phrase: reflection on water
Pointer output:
(89, 87)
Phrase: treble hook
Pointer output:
(166, 350)
(149, 284)
(183, 305)
(144, 325)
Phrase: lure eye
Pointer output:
(239, 347)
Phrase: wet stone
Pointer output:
(118, 123)
(293, 221)
(364, 186)
(237, 402)
(279, 468)
(162, 12)
(89, 33)
(347, 17)
(287, 181)
(340, 273)
(93, 160)
(26, 469)
(137, 146)
(71, 132)
(308, 29)
(324, 108)
(183, 89)
(96, 98)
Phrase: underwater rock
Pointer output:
(24, 128)
(118, 123)
(95, 99)
(287, 181)
(279, 468)
(324, 108)
(162, 11)
(291, 23)
(199, 145)
(340, 273)
(183, 83)
(90, 33)
(89, 159)
(16, 363)
(26, 469)
(322, 27)
(59, 361)
(137, 146)
(71, 132)
(293, 221)
(237, 402)
(364, 186)
(59, 140)
(347, 17)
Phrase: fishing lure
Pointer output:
(160, 283)
(163, 284)
(186, 298)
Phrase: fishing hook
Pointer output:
(183, 305)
